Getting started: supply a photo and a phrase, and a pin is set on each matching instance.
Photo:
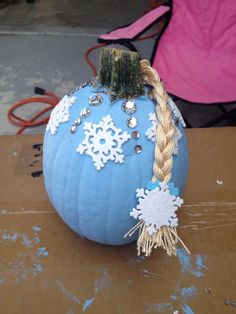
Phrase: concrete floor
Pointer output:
(73, 13)
(43, 44)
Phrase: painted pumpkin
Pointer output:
(97, 152)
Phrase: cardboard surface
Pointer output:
(47, 268)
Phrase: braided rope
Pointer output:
(166, 236)
(165, 128)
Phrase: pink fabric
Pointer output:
(138, 26)
(196, 56)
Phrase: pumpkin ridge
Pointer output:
(84, 167)
(77, 203)
(66, 182)
(57, 155)
(109, 206)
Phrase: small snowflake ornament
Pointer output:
(60, 113)
(177, 114)
(157, 207)
(151, 132)
(103, 142)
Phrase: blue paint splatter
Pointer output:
(163, 307)
(200, 260)
(41, 251)
(184, 294)
(67, 292)
(38, 268)
(36, 239)
(19, 268)
(166, 308)
(191, 265)
(26, 241)
(87, 303)
(10, 237)
(188, 292)
(102, 281)
(187, 309)
(36, 229)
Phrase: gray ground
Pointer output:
(43, 44)
(73, 13)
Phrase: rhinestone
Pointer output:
(73, 129)
(129, 107)
(84, 84)
(73, 91)
(132, 122)
(135, 135)
(77, 122)
(84, 113)
(95, 100)
(138, 149)
(94, 83)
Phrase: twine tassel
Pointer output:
(165, 237)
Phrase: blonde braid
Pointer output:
(165, 145)
(166, 236)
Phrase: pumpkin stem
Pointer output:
(120, 72)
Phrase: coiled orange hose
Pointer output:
(47, 98)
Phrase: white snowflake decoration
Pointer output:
(175, 110)
(157, 208)
(151, 132)
(103, 142)
(60, 113)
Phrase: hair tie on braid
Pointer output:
(165, 236)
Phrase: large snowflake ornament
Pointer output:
(103, 142)
(157, 207)
(60, 113)
(151, 132)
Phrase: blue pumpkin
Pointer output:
(96, 203)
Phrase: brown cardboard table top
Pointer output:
(46, 268)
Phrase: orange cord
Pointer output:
(49, 98)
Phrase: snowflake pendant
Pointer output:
(60, 114)
(157, 206)
(103, 142)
